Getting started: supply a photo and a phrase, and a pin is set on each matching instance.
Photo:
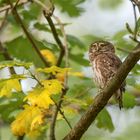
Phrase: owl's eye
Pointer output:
(102, 44)
(95, 48)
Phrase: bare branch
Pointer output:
(135, 18)
(62, 113)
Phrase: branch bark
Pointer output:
(101, 100)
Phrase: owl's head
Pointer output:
(101, 47)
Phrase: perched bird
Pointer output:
(105, 64)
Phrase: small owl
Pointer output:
(105, 64)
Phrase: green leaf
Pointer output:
(138, 23)
(80, 88)
(9, 63)
(129, 28)
(78, 102)
(2, 58)
(11, 105)
(109, 4)
(71, 7)
(31, 14)
(104, 120)
(129, 100)
(91, 38)
(42, 27)
(131, 80)
(79, 58)
(74, 41)
(20, 48)
(138, 26)
(119, 39)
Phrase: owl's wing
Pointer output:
(109, 62)
(108, 65)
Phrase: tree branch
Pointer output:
(137, 3)
(61, 112)
(7, 7)
(18, 19)
(102, 99)
(56, 37)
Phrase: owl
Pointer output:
(105, 64)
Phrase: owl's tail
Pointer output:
(118, 97)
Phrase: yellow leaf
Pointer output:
(39, 97)
(8, 85)
(27, 121)
(38, 120)
(78, 74)
(54, 70)
(49, 56)
(53, 86)
(61, 76)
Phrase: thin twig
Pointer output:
(65, 47)
(57, 39)
(7, 7)
(134, 4)
(35, 78)
(4, 20)
(62, 113)
(18, 19)
(135, 19)
(16, 4)
(137, 3)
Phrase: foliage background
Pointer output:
(86, 21)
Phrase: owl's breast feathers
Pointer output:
(105, 65)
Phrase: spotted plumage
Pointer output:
(105, 64)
